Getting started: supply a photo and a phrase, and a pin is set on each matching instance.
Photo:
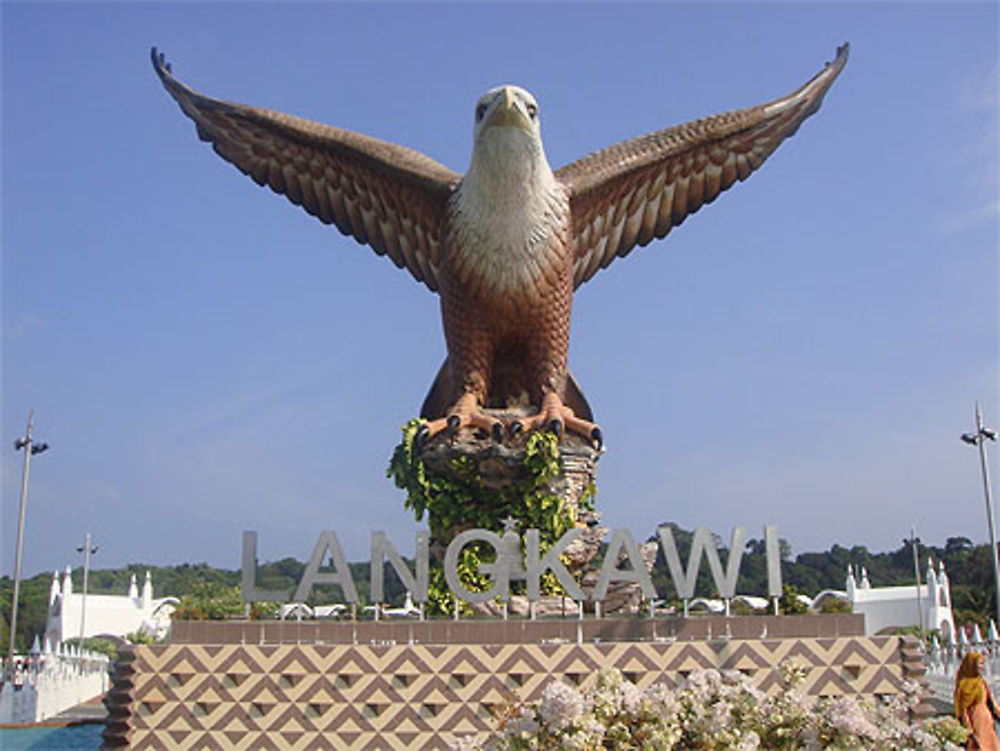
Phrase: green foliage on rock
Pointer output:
(463, 500)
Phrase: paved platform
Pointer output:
(90, 712)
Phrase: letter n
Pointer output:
(382, 548)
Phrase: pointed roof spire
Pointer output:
(133, 589)
(54, 589)
(147, 591)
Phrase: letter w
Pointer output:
(684, 581)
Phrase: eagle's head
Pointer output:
(507, 136)
(507, 131)
(507, 107)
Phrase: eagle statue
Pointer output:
(506, 244)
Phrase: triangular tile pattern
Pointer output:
(387, 697)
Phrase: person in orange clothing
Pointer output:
(974, 704)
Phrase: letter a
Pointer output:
(341, 574)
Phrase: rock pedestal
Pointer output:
(469, 458)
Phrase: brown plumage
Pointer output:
(506, 244)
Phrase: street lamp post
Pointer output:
(86, 550)
(916, 573)
(979, 439)
(30, 448)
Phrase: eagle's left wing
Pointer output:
(637, 190)
(383, 195)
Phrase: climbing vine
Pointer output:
(461, 499)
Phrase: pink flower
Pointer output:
(560, 706)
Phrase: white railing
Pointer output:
(943, 661)
(40, 686)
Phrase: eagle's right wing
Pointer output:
(386, 196)
(638, 190)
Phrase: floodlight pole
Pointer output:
(29, 449)
(979, 439)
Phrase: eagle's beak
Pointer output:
(509, 113)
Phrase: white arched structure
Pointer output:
(894, 607)
(106, 615)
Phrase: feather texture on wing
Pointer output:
(386, 196)
(638, 190)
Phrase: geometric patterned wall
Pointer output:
(342, 697)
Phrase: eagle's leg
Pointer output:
(465, 413)
(556, 416)
(467, 410)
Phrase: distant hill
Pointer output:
(969, 569)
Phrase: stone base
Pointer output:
(424, 685)
(485, 469)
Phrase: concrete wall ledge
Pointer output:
(517, 631)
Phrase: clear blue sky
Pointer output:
(206, 358)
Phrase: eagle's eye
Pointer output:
(480, 111)
(532, 111)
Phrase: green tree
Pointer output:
(209, 601)
(789, 604)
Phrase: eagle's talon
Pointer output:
(466, 413)
(516, 428)
(597, 437)
(555, 416)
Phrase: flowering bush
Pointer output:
(714, 711)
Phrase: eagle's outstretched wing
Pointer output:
(387, 196)
(637, 190)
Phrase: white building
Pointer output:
(106, 615)
(894, 607)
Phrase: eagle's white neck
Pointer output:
(509, 210)
(507, 161)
